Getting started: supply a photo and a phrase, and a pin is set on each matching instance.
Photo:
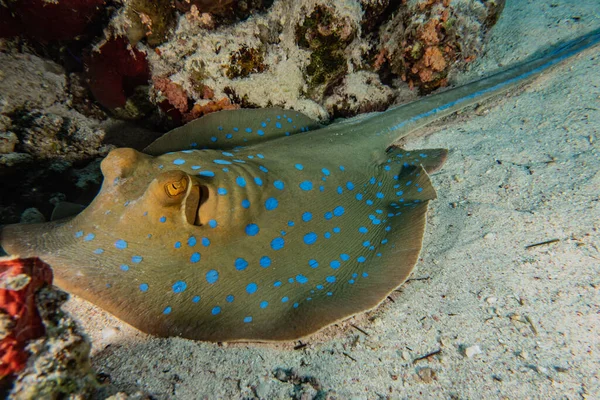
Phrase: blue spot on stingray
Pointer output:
(121, 244)
(263, 304)
(278, 124)
(163, 219)
(124, 267)
(195, 257)
(212, 223)
(362, 229)
(271, 203)
(213, 138)
(387, 168)
(310, 238)
(366, 243)
(340, 190)
(321, 188)
(260, 155)
(359, 196)
(301, 279)
(144, 287)
(306, 185)
(228, 136)
(191, 241)
(167, 310)
(251, 288)
(307, 216)
(328, 215)
(344, 257)
(336, 229)
(240, 181)
(216, 310)
(98, 251)
(296, 305)
(260, 132)
(209, 174)
(89, 236)
(349, 185)
(247, 319)
(236, 129)
(330, 279)
(179, 286)
(369, 202)
(230, 298)
(388, 228)
(246, 203)
(299, 167)
(420, 189)
(335, 264)
(380, 195)
(372, 180)
(319, 287)
(241, 264)
(376, 221)
(277, 284)
(291, 280)
(195, 299)
(327, 235)
(277, 243)
(263, 124)
(195, 167)
(249, 130)
(222, 191)
(364, 274)
(205, 242)
(265, 261)
(325, 172)
(179, 161)
(339, 211)
(342, 168)
(212, 276)
(78, 234)
(278, 185)
(136, 259)
(258, 181)
(313, 263)
(252, 229)
(408, 183)
(290, 223)
(222, 162)
(361, 259)
(284, 299)
(263, 169)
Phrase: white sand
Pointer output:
(521, 171)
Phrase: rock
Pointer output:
(472, 351)
(32, 216)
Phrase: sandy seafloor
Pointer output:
(521, 170)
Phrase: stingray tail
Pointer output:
(386, 128)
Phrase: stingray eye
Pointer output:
(175, 188)
(170, 187)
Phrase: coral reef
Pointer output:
(114, 71)
(61, 363)
(20, 321)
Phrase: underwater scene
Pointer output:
(299, 199)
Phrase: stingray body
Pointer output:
(257, 224)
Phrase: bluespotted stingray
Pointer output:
(258, 224)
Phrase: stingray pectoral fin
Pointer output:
(363, 282)
(65, 209)
(227, 129)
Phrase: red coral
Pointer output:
(19, 280)
(46, 20)
(115, 70)
(174, 93)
